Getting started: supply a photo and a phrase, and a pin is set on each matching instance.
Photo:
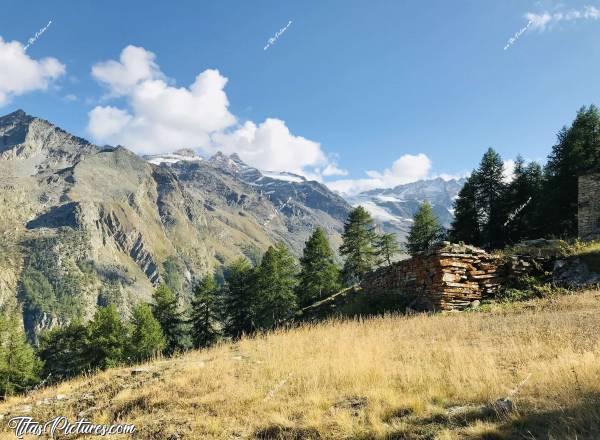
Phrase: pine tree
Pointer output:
(205, 313)
(490, 189)
(424, 231)
(522, 199)
(239, 295)
(108, 338)
(147, 339)
(65, 351)
(386, 248)
(276, 283)
(319, 275)
(166, 312)
(19, 367)
(465, 226)
(576, 153)
(358, 246)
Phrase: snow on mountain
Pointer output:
(393, 208)
(177, 156)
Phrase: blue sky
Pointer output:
(349, 86)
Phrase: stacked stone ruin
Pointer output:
(588, 217)
(448, 277)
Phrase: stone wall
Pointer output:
(589, 207)
(449, 277)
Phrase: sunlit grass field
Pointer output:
(393, 377)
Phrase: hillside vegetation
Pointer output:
(397, 377)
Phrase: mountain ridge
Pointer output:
(84, 225)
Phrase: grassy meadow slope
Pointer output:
(397, 377)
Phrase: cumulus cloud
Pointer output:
(408, 168)
(542, 20)
(160, 117)
(20, 74)
(134, 66)
(271, 146)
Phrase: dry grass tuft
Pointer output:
(394, 377)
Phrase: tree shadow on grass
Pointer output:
(581, 422)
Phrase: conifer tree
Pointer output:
(19, 367)
(205, 313)
(522, 201)
(65, 351)
(319, 275)
(358, 246)
(239, 295)
(465, 226)
(275, 285)
(490, 189)
(147, 339)
(576, 153)
(424, 231)
(166, 311)
(386, 248)
(108, 338)
(480, 212)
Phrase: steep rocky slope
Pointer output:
(82, 225)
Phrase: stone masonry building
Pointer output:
(589, 207)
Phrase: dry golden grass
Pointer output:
(418, 377)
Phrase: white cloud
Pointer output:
(271, 146)
(120, 77)
(20, 74)
(408, 168)
(541, 20)
(106, 122)
(509, 170)
(333, 170)
(161, 117)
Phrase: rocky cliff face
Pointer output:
(82, 225)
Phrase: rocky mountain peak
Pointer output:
(17, 117)
(232, 164)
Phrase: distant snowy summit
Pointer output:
(185, 154)
(393, 208)
(232, 164)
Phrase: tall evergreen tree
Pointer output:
(239, 296)
(65, 351)
(490, 189)
(276, 283)
(146, 336)
(576, 153)
(205, 313)
(108, 338)
(166, 311)
(522, 199)
(465, 226)
(386, 248)
(19, 366)
(319, 275)
(358, 246)
(424, 231)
